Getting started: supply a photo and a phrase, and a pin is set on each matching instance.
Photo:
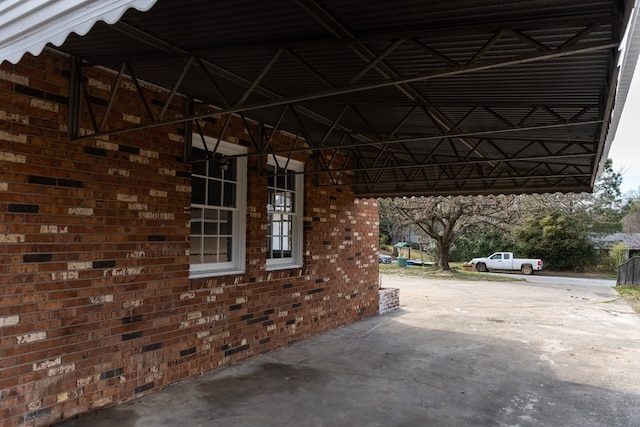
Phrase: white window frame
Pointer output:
(237, 265)
(295, 261)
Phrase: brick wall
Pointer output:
(389, 300)
(96, 302)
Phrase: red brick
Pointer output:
(89, 334)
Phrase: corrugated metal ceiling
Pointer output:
(456, 97)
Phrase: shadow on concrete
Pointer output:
(382, 372)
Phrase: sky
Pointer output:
(625, 149)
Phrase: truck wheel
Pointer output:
(481, 267)
(527, 269)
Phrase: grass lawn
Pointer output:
(631, 295)
(456, 273)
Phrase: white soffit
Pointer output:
(28, 25)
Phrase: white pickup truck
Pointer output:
(506, 261)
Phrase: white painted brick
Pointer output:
(139, 159)
(194, 315)
(168, 172)
(14, 117)
(119, 172)
(4, 186)
(187, 295)
(203, 334)
(79, 265)
(98, 84)
(131, 118)
(27, 338)
(84, 381)
(34, 406)
(13, 77)
(183, 188)
(105, 145)
(136, 254)
(240, 300)
(44, 105)
(128, 85)
(175, 137)
(123, 271)
(103, 401)
(62, 369)
(157, 193)
(81, 211)
(64, 275)
(63, 397)
(9, 321)
(53, 229)
(101, 299)
(47, 364)
(11, 238)
(132, 303)
(149, 153)
(13, 137)
(138, 206)
(156, 215)
(127, 197)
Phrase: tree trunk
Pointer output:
(442, 261)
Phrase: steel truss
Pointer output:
(488, 146)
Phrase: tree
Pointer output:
(631, 221)
(445, 218)
(605, 206)
(480, 240)
(558, 239)
(391, 222)
(598, 212)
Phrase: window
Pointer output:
(284, 213)
(218, 205)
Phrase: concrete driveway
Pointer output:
(456, 354)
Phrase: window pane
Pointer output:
(196, 250)
(196, 228)
(211, 214)
(198, 186)
(271, 181)
(215, 169)
(291, 181)
(230, 173)
(211, 228)
(214, 196)
(198, 162)
(225, 249)
(229, 194)
(226, 225)
(210, 250)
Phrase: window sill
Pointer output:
(288, 266)
(214, 273)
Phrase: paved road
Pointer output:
(561, 280)
(456, 354)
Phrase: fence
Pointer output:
(629, 272)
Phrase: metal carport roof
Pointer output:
(425, 98)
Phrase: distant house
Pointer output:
(605, 242)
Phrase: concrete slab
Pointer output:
(455, 354)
